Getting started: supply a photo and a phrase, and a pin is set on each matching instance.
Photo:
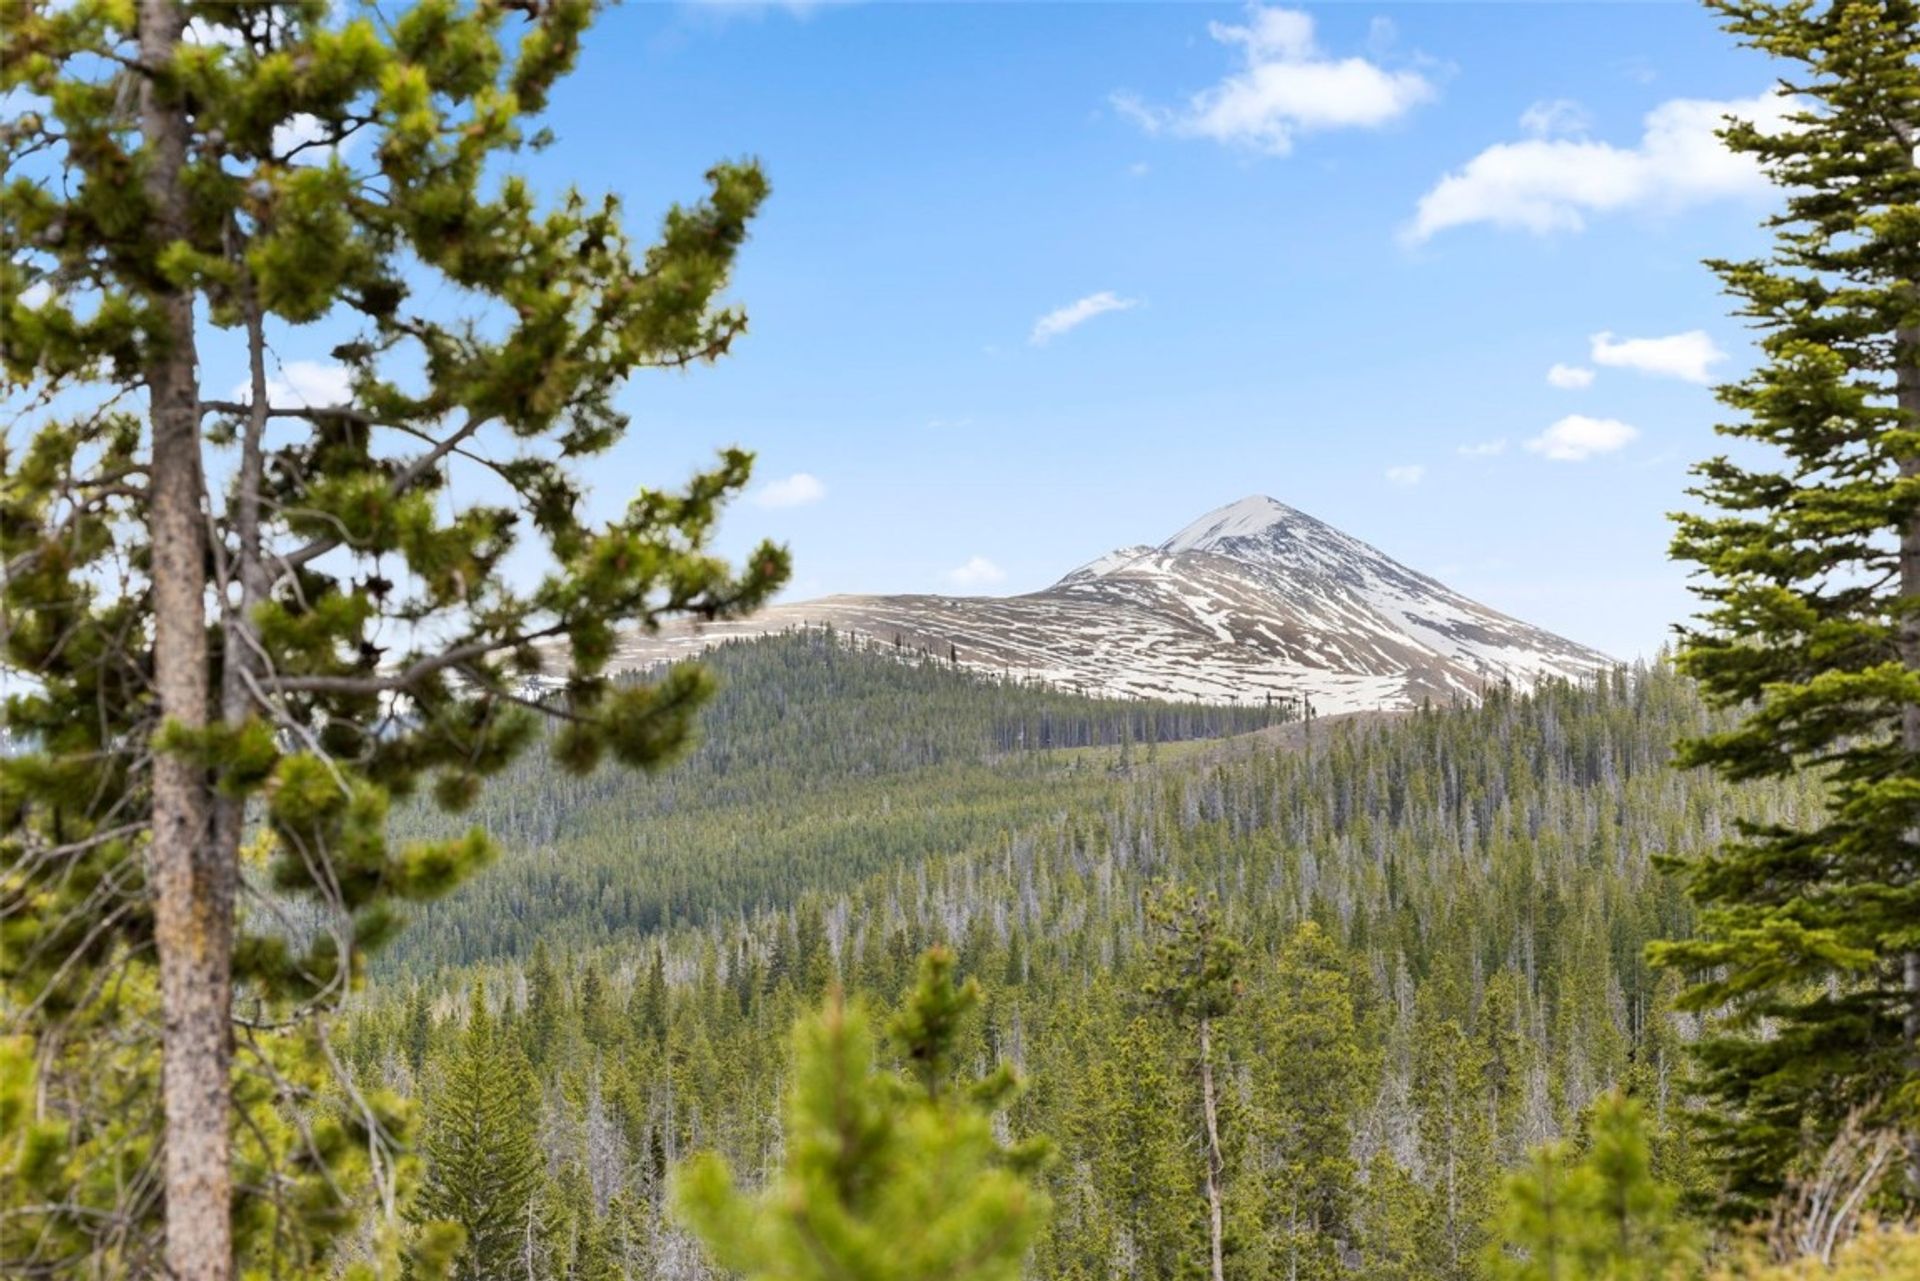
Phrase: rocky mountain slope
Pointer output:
(1251, 602)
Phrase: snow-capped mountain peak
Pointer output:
(1255, 517)
(1261, 531)
(1255, 600)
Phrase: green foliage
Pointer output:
(1192, 974)
(823, 760)
(76, 1142)
(377, 580)
(1456, 1137)
(1482, 872)
(1389, 1236)
(485, 1174)
(1597, 1215)
(1309, 1069)
(884, 1177)
(1811, 623)
(1879, 1252)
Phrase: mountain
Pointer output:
(1253, 601)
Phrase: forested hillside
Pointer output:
(1444, 917)
(823, 758)
(340, 576)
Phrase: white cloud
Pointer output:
(1687, 356)
(1286, 86)
(1569, 377)
(796, 490)
(1557, 117)
(1407, 476)
(36, 295)
(201, 32)
(1485, 449)
(307, 133)
(304, 384)
(1576, 438)
(1548, 184)
(977, 572)
(1074, 314)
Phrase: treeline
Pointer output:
(801, 687)
(818, 764)
(1444, 917)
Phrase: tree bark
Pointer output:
(1214, 1216)
(192, 885)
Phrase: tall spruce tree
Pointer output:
(885, 1178)
(1810, 546)
(1599, 1214)
(484, 1169)
(277, 602)
(1456, 1137)
(1193, 976)
(1308, 1083)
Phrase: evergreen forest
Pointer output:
(1444, 918)
(369, 913)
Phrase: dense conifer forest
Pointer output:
(822, 760)
(1443, 917)
(329, 951)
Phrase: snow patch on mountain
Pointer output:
(1254, 601)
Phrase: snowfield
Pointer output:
(1252, 602)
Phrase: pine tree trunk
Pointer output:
(192, 885)
(1214, 1217)
(1906, 356)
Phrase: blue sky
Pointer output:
(1241, 191)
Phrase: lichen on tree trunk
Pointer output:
(192, 879)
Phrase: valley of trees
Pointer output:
(820, 763)
(1441, 921)
(886, 971)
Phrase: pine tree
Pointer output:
(1536, 1236)
(545, 1001)
(651, 1008)
(885, 1177)
(419, 1029)
(1636, 1227)
(484, 1169)
(1309, 1076)
(1811, 550)
(1113, 1079)
(1129, 1116)
(594, 1005)
(1599, 1216)
(1389, 1228)
(1505, 1060)
(813, 961)
(1456, 1142)
(332, 626)
(1193, 978)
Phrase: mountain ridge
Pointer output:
(1253, 601)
